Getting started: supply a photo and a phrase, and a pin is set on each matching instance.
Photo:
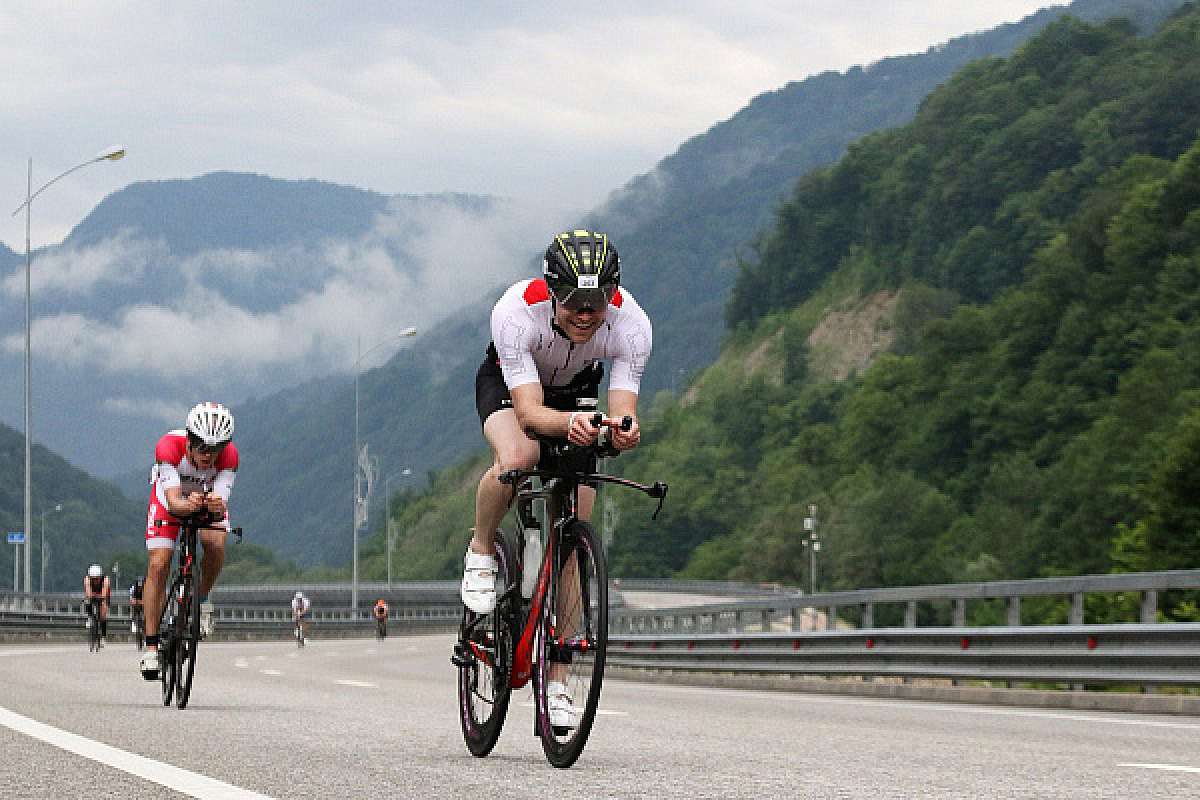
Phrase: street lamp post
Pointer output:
(363, 467)
(57, 508)
(814, 544)
(387, 509)
(111, 154)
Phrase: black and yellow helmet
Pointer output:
(582, 270)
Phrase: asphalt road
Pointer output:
(361, 719)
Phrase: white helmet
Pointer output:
(210, 424)
(95, 571)
(299, 595)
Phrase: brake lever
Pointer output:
(659, 490)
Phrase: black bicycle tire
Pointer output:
(578, 536)
(94, 631)
(189, 638)
(166, 643)
(481, 735)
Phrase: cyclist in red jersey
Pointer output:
(194, 470)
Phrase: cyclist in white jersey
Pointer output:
(549, 339)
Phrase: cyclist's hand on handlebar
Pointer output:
(582, 429)
(625, 438)
(215, 505)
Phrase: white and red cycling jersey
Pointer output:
(173, 468)
(531, 350)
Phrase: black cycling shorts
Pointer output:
(491, 392)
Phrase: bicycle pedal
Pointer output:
(462, 657)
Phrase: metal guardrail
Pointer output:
(787, 632)
(63, 615)
(796, 634)
(1079, 655)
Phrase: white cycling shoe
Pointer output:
(149, 665)
(206, 620)
(558, 702)
(479, 582)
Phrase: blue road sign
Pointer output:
(16, 537)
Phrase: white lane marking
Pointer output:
(181, 780)
(599, 711)
(37, 651)
(1171, 767)
(270, 672)
(241, 663)
(360, 684)
(1095, 716)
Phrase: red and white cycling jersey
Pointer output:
(173, 468)
(531, 350)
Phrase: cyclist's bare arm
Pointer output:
(533, 415)
(181, 506)
(528, 402)
(623, 403)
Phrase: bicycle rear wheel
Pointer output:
(189, 636)
(168, 635)
(484, 658)
(94, 631)
(572, 644)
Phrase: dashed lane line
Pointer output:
(360, 684)
(1170, 767)
(192, 784)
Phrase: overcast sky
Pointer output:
(557, 101)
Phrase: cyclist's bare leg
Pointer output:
(512, 450)
(213, 559)
(154, 593)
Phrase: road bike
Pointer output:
(557, 631)
(298, 631)
(179, 626)
(93, 625)
(380, 628)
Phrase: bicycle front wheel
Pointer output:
(189, 628)
(168, 635)
(484, 657)
(572, 644)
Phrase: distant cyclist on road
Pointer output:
(381, 615)
(97, 593)
(302, 612)
(549, 339)
(194, 471)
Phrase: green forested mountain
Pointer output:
(95, 520)
(974, 343)
(1036, 231)
(691, 220)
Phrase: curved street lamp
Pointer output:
(362, 463)
(111, 154)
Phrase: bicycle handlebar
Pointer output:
(200, 519)
(513, 477)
